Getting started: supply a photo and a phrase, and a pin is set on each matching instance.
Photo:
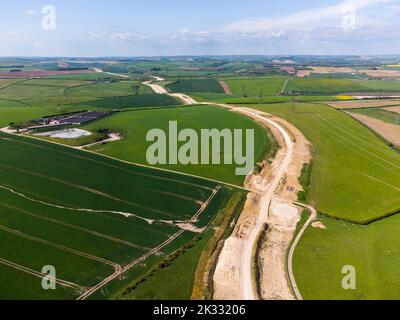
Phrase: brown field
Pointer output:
(391, 132)
(382, 73)
(393, 109)
(40, 73)
(303, 73)
(327, 70)
(226, 87)
(364, 104)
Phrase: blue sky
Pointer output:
(189, 27)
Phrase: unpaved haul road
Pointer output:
(246, 273)
(155, 87)
(161, 90)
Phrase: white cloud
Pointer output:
(309, 19)
(31, 12)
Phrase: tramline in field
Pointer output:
(92, 218)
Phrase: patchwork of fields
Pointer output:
(26, 99)
(331, 86)
(355, 179)
(88, 216)
(351, 163)
(124, 230)
(131, 102)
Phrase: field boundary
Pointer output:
(293, 247)
(153, 251)
(132, 163)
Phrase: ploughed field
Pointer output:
(89, 216)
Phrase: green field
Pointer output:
(196, 85)
(380, 85)
(275, 99)
(135, 125)
(256, 87)
(104, 89)
(19, 114)
(86, 76)
(23, 100)
(380, 114)
(172, 280)
(43, 93)
(373, 250)
(351, 163)
(135, 101)
(85, 214)
(327, 86)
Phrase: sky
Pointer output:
(199, 27)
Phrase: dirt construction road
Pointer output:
(246, 278)
(161, 90)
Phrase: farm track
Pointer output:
(247, 256)
(246, 274)
(40, 275)
(98, 193)
(13, 84)
(118, 270)
(157, 191)
(155, 250)
(7, 131)
(125, 214)
(284, 86)
(75, 227)
(114, 265)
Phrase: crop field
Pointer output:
(101, 90)
(279, 99)
(86, 76)
(373, 250)
(134, 101)
(323, 86)
(355, 104)
(89, 216)
(380, 114)
(209, 96)
(256, 87)
(134, 126)
(22, 100)
(19, 114)
(326, 86)
(351, 163)
(6, 82)
(41, 93)
(196, 85)
(41, 73)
